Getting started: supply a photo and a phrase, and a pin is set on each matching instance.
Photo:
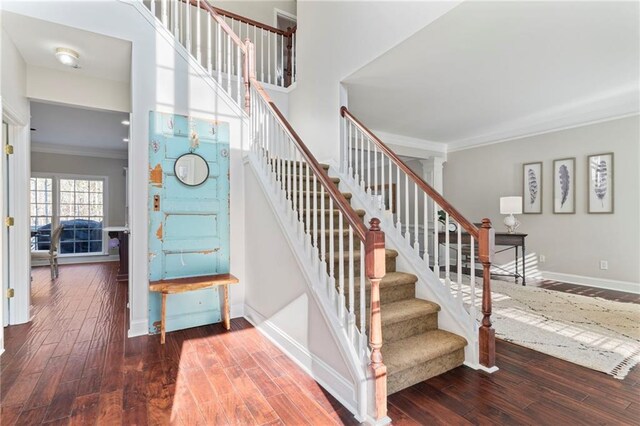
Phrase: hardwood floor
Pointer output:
(74, 365)
(613, 295)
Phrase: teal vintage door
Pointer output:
(188, 225)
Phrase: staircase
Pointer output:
(414, 348)
(352, 274)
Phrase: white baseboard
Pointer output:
(79, 259)
(626, 286)
(138, 328)
(321, 372)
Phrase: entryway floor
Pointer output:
(74, 365)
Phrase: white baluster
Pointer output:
(436, 241)
(293, 58)
(362, 184)
(308, 204)
(472, 310)
(340, 267)
(352, 317)
(407, 225)
(425, 231)
(363, 302)
(398, 203)
(262, 55)
(163, 13)
(368, 183)
(229, 64)
(416, 221)
(209, 43)
(323, 236)
(219, 52)
(332, 279)
(447, 253)
(198, 36)
(459, 264)
(375, 174)
(187, 18)
(382, 184)
(281, 53)
(269, 56)
(239, 75)
(176, 18)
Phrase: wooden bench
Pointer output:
(181, 285)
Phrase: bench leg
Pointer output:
(163, 318)
(225, 308)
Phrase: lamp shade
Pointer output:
(510, 205)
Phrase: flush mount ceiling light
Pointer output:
(125, 122)
(125, 140)
(68, 57)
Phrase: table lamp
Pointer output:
(511, 206)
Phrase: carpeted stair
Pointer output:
(414, 349)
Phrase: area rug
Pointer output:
(588, 331)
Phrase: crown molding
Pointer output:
(78, 150)
(613, 105)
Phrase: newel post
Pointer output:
(487, 334)
(288, 68)
(375, 269)
(248, 71)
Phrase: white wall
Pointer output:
(15, 110)
(334, 40)
(277, 291)
(261, 11)
(573, 244)
(165, 81)
(51, 85)
(112, 168)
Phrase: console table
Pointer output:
(502, 239)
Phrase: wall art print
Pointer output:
(600, 183)
(564, 186)
(532, 188)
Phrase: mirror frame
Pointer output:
(175, 172)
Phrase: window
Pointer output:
(41, 212)
(75, 202)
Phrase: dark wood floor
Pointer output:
(613, 295)
(74, 365)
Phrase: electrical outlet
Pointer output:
(542, 258)
(604, 265)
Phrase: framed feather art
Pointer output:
(532, 188)
(564, 186)
(600, 185)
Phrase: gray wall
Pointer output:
(80, 165)
(475, 179)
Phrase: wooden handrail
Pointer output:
(341, 203)
(254, 23)
(424, 186)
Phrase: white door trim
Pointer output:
(19, 241)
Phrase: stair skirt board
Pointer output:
(332, 381)
(356, 399)
(453, 317)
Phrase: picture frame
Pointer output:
(564, 186)
(389, 201)
(600, 183)
(532, 179)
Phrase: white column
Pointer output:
(432, 172)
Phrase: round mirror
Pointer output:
(191, 169)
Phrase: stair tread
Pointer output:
(326, 194)
(421, 348)
(390, 279)
(407, 309)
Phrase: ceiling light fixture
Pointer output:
(125, 139)
(67, 57)
(125, 122)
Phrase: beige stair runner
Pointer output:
(414, 349)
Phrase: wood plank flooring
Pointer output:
(74, 365)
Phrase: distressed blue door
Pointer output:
(188, 226)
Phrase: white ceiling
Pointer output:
(490, 71)
(76, 129)
(100, 56)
